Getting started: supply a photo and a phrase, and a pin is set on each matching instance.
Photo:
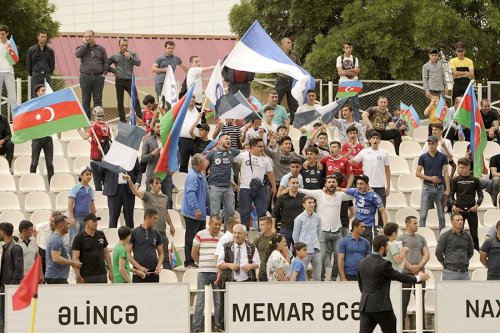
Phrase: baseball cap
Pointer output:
(91, 217)
(432, 138)
(204, 126)
(83, 169)
(433, 50)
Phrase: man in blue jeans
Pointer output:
(94, 65)
(254, 165)
(195, 204)
(436, 181)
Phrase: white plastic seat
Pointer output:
(402, 213)
(61, 164)
(12, 216)
(415, 199)
(433, 262)
(475, 262)
(178, 179)
(61, 182)
(481, 234)
(139, 218)
(70, 136)
(40, 216)
(431, 283)
(420, 134)
(178, 239)
(429, 235)
(396, 200)
(7, 183)
(168, 276)
(414, 165)
(22, 149)
(36, 201)
(432, 220)
(294, 133)
(491, 217)
(491, 149)
(178, 200)
(409, 150)
(80, 161)
(62, 201)
(21, 166)
(409, 183)
(58, 149)
(480, 274)
(191, 276)
(430, 301)
(459, 148)
(100, 200)
(32, 182)
(399, 166)
(9, 201)
(387, 145)
(487, 202)
(112, 237)
(4, 166)
(78, 148)
(176, 218)
(138, 203)
(103, 223)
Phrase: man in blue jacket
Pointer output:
(196, 203)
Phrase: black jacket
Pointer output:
(111, 181)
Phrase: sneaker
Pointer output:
(219, 328)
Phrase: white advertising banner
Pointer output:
(110, 308)
(298, 307)
(467, 306)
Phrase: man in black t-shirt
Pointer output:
(490, 120)
(312, 172)
(90, 247)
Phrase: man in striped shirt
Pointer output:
(203, 252)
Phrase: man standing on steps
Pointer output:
(284, 82)
(348, 70)
(40, 62)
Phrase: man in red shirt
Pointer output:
(336, 163)
(351, 148)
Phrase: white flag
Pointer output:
(169, 90)
(215, 87)
(48, 88)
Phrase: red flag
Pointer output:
(28, 288)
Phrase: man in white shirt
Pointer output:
(6, 69)
(254, 165)
(376, 167)
(194, 74)
(329, 202)
(28, 244)
(348, 70)
(186, 142)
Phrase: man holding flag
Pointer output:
(9, 56)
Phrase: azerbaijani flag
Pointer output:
(132, 100)
(349, 89)
(57, 112)
(170, 128)
(11, 52)
(461, 134)
(441, 109)
(410, 115)
(403, 108)
(477, 138)
(466, 107)
(175, 258)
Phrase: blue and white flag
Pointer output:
(169, 90)
(133, 97)
(257, 52)
(235, 107)
(122, 154)
(330, 110)
(215, 86)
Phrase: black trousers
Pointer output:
(283, 87)
(243, 87)
(122, 199)
(472, 219)
(381, 192)
(406, 300)
(38, 78)
(121, 86)
(47, 145)
(150, 278)
(192, 228)
(7, 149)
(186, 150)
(392, 134)
(385, 319)
(98, 175)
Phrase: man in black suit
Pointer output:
(374, 279)
(120, 196)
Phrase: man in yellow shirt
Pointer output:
(462, 70)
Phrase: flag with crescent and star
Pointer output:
(46, 115)
(349, 89)
(11, 52)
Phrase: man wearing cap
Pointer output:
(462, 70)
(80, 203)
(436, 181)
(201, 140)
(90, 247)
(433, 75)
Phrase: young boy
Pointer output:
(298, 269)
(148, 112)
(351, 148)
(396, 253)
(121, 265)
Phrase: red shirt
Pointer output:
(341, 165)
(357, 169)
(147, 115)
(101, 130)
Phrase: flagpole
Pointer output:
(33, 313)
(458, 108)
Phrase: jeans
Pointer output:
(98, 175)
(432, 193)
(224, 195)
(381, 192)
(10, 85)
(92, 86)
(121, 86)
(47, 145)
(283, 87)
(164, 242)
(287, 233)
(450, 275)
(329, 245)
(471, 218)
(186, 150)
(158, 89)
(315, 260)
(493, 275)
(205, 279)
(355, 107)
(247, 197)
(38, 78)
(166, 188)
(192, 228)
(74, 230)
